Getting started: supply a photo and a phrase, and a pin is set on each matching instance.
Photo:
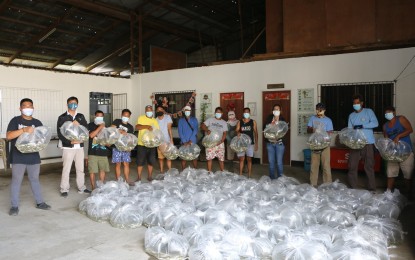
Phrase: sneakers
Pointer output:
(14, 211)
(64, 194)
(84, 191)
(43, 206)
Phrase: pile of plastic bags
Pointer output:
(197, 215)
(274, 132)
(74, 132)
(240, 143)
(391, 151)
(34, 142)
(320, 139)
(152, 138)
(108, 136)
(126, 143)
(212, 139)
(189, 152)
(353, 138)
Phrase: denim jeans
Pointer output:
(275, 155)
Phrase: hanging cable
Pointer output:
(396, 79)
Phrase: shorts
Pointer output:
(98, 163)
(230, 154)
(407, 167)
(120, 156)
(160, 155)
(248, 153)
(146, 155)
(217, 151)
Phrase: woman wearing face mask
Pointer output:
(275, 149)
(165, 124)
(398, 128)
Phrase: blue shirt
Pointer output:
(367, 119)
(328, 124)
(186, 133)
(395, 130)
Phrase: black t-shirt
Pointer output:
(126, 127)
(93, 147)
(16, 157)
(247, 128)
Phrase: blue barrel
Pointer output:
(307, 159)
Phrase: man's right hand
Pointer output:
(150, 128)
(28, 129)
(75, 142)
(358, 127)
(75, 122)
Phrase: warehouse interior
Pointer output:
(247, 52)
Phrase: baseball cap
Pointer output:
(187, 108)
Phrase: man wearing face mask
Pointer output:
(97, 154)
(146, 155)
(247, 126)
(165, 123)
(118, 156)
(188, 127)
(322, 156)
(398, 128)
(72, 150)
(365, 120)
(219, 125)
(21, 162)
(232, 122)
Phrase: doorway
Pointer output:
(269, 99)
(100, 101)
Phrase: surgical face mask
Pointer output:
(159, 113)
(389, 116)
(357, 107)
(125, 119)
(149, 113)
(99, 120)
(246, 115)
(27, 111)
(218, 115)
(276, 112)
(72, 106)
(187, 113)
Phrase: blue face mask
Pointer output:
(125, 119)
(99, 120)
(246, 115)
(357, 107)
(389, 116)
(218, 115)
(187, 113)
(149, 113)
(72, 106)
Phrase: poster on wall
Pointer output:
(205, 106)
(302, 123)
(306, 100)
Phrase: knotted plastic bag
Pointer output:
(189, 152)
(34, 142)
(240, 143)
(153, 138)
(72, 132)
(353, 138)
(212, 139)
(169, 151)
(108, 136)
(391, 151)
(273, 132)
(126, 216)
(165, 244)
(320, 139)
(126, 143)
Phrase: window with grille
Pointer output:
(339, 103)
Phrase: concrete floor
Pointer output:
(64, 233)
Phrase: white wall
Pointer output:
(296, 73)
(78, 85)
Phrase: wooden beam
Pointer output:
(216, 9)
(140, 44)
(86, 44)
(253, 42)
(4, 5)
(132, 21)
(108, 57)
(44, 33)
(163, 4)
(110, 11)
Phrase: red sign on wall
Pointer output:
(277, 96)
(232, 96)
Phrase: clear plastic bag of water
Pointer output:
(74, 132)
(34, 142)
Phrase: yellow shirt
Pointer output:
(144, 120)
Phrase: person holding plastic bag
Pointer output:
(216, 124)
(188, 127)
(22, 162)
(247, 126)
(146, 155)
(72, 150)
(398, 128)
(118, 156)
(165, 123)
(232, 122)
(97, 154)
(365, 120)
(322, 156)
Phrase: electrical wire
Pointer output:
(396, 79)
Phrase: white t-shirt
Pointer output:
(163, 123)
(216, 125)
